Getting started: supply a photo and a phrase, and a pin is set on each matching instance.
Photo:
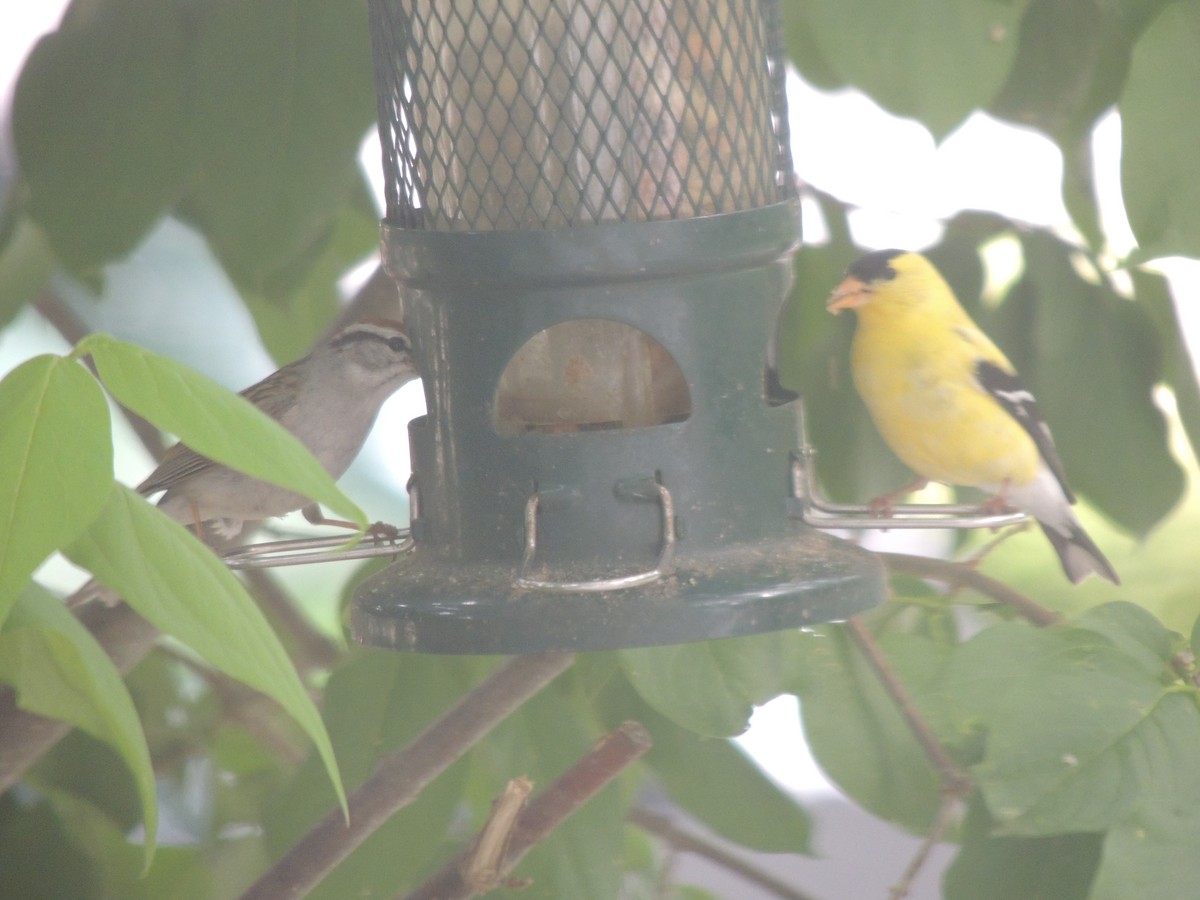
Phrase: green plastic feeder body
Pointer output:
(553, 531)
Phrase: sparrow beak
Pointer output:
(850, 294)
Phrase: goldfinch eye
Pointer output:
(398, 344)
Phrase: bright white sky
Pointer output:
(904, 184)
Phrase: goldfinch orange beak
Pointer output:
(850, 294)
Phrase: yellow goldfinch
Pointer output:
(949, 403)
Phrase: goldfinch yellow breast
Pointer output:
(932, 414)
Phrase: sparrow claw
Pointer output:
(384, 532)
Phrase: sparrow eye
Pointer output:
(398, 344)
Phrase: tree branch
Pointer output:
(484, 863)
(400, 776)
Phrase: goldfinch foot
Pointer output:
(884, 506)
(998, 503)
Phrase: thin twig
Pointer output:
(465, 875)
(955, 573)
(953, 779)
(941, 822)
(679, 839)
(400, 776)
(955, 783)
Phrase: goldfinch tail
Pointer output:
(1078, 553)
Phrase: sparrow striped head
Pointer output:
(377, 352)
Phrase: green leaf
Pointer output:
(1060, 867)
(292, 316)
(1092, 359)
(1082, 772)
(82, 766)
(714, 781)
(178, 873)
(712, 687)
(99, 125)
(1061, 85)
(37, 858)
(275, 74)
(803, 50)
(1160, 170)
(1136, 633)
(26, 263)
(55, 464)
(178, 585)
(933, 60)
(1154, 852)
(709, 778)
(61, 672)
(212, 421)
(855, 731)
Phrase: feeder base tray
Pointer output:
(430, 605)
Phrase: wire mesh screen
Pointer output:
(526, 114)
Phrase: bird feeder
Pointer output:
(591, 214)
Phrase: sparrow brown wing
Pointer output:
(178, 463)
(181, 461)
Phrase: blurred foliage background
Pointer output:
(187, 176)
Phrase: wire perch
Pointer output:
(818, 511)
(303, 551)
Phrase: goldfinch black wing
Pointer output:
(1018, 401)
